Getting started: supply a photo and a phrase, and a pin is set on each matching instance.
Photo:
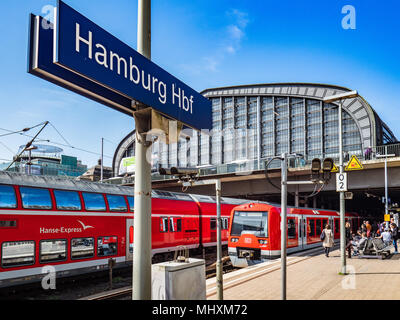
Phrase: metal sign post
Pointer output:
(386, 155)
(141, 278)
(77, 54)
(219, 267)
(327, 168)
(283, 222)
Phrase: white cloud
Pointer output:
(235, 32)
(229, 44)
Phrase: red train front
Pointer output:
(255, 233)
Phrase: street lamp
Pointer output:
(386, 155)
(341, 97)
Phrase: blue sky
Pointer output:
(206, 44)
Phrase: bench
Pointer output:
(375, 248)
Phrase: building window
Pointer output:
(34, 198)
(67, 200)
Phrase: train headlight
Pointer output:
(234, 240)
(260, 241)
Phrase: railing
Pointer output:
(244, 167)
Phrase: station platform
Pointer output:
(312, 276)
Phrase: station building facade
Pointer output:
(257, 122)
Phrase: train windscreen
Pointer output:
(253, 221)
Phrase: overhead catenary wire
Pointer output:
(60, 134)
(56, 143)
(312, 194)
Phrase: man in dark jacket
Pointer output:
(348, 239)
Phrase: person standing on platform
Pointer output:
(369, 228)
(363, 227)
(395, 235)
(327, 238)
(348, 239)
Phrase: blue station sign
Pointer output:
(40, 64)
(89, 52)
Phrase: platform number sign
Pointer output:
(341, 182)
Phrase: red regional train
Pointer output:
(255, 236)
(76, 226)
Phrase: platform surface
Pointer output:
(312, 276)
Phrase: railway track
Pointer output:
(126, 292)
(115, 294)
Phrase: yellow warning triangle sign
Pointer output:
(354, 164)
(335, 169)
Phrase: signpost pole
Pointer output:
(102, 158)
(342, 201)
(283, 222)
(220, 289)
(386, 187)
(141, 278)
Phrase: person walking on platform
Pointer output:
(348, 239)
(395, 236)
(327, 238)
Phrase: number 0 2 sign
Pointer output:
(341, 182)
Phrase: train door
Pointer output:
(292, 232)
(336, 228)
(129, 240)
(213, 230)
(302, 232)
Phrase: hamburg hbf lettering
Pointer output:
(126, 67)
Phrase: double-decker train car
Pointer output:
(76, 226)
(255, 232)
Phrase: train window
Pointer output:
(131, 239)
(107, 246)
(324, 223)
(225, 223)
(291, 229)
(131, 203)
(250, 221)
(34, 198)
(311, 225)
(213, 224)
(17, 253)
(94, 201)
(82, 248)
(8, 224)
(117, 203)
(67, 200)
(175, 224)
(163, 224)
(53, 250)
(318, 229)
(7, 197)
